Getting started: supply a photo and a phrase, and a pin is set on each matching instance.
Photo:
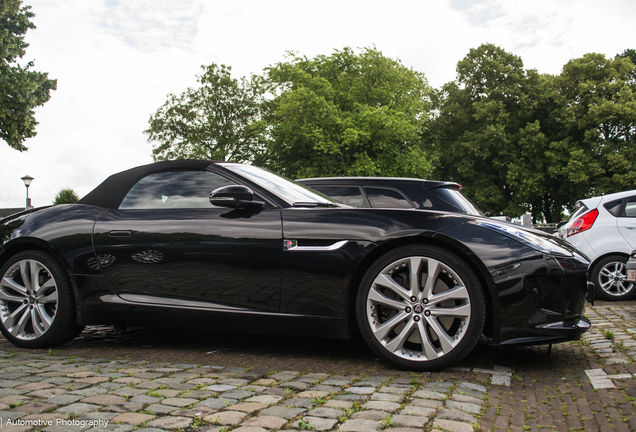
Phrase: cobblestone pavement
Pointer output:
(162, 381)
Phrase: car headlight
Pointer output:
(536, 242)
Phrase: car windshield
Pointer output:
(285, 189)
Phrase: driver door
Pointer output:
(167, 244)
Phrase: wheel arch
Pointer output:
(28, 243)
(605, 255)
(24, 244)
(438, 240)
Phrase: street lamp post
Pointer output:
(27, 179)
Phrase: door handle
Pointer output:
(119, 233)
(630, 226)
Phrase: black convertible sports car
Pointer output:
(153, 246)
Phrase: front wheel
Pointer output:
(610, 279)
(420, 308)
(37, 308)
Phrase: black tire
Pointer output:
(609, 276)
(40, 314)
(395, 318)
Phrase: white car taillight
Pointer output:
(583, 223)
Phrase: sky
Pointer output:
(116, 61)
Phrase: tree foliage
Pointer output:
(630, 54)
(598, 117)
(347, 114)
(482, 118)
(219, 120)
(66, 196)
(519, 141)
(21, 89)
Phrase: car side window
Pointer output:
(386, 198)
(349, 195)
(174, 189)
(614, 207)
(630, 207)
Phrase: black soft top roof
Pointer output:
(112, 191)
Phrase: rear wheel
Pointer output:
(421, 308)
(37, 308)
(609, 276)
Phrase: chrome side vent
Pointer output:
(313, 246)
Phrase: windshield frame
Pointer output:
(285, 189)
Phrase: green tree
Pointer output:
(586, 121)
(520, 141)
(537, 176)
(598, 116)
(21, 89)
(66, 196)
(219, 120)
(347, 114)
(484, 127)
(630, 54)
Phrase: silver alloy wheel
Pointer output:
(28, 299)
(418, 308)
(612, 279)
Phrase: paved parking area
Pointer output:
(151, 381)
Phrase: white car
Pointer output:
(604, 228)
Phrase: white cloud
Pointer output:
(115, 61)
(152, 25)
(547, 34)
